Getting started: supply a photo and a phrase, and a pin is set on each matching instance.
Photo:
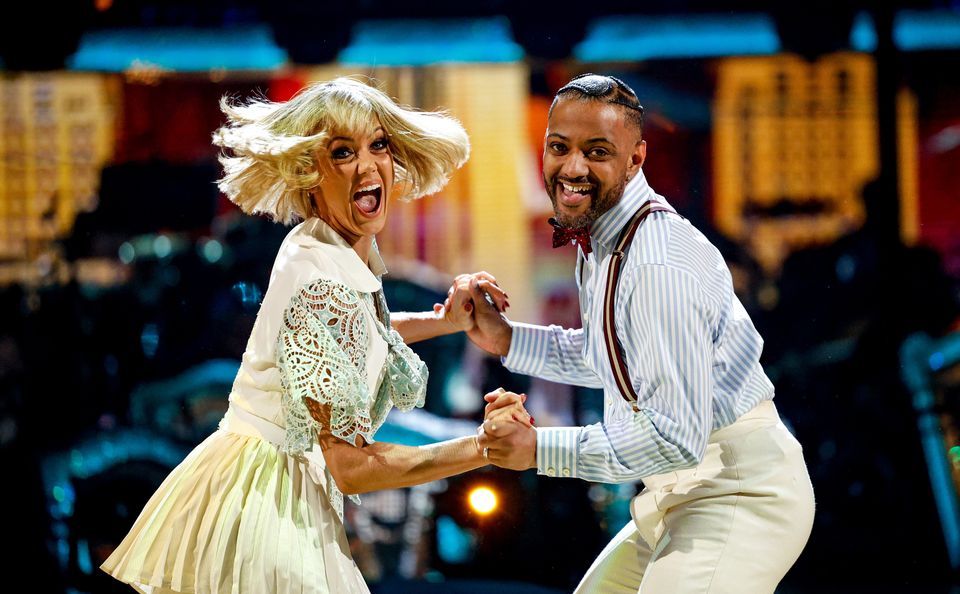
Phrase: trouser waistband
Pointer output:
(764, 414)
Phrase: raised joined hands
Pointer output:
(475, 304)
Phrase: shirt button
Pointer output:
(551, 471)
(566, 472)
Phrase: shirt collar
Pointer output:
(317, 234)
(606, 228)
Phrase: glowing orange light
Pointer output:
(483, 500)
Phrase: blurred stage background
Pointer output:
(817, 144)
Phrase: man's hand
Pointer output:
(508, 443)
(492, 331)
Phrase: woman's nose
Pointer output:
(367, 163)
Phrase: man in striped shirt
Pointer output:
(727, 504)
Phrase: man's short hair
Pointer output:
(608, 89)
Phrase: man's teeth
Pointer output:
(573, 189)
(369, 188)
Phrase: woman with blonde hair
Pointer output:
(257, 507)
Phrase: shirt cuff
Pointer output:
(528, 348)
(557, 451)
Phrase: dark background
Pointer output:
(71, 358)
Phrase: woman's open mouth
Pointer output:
(367, 199)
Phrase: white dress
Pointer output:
(253, 509)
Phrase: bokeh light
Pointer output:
(483, 500)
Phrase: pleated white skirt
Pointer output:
(237, 516)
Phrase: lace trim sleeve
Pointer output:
(321, 354)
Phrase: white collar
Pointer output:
(315, 233)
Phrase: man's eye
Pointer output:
(598, 153)
(558, 147)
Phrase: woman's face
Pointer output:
(357, 170)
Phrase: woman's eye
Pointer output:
(341, 152)
(380, 144)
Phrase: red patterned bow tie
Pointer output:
(564, 235)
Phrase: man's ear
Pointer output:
(637, 158)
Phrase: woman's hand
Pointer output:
(502, 405)
(457, 308)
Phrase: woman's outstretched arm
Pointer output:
(456, 315)
(368, 467)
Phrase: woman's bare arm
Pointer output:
(417, 326)
(368, 467)
(455, 315)
(372, 466)
(381, 465)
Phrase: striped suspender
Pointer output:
(614, 349)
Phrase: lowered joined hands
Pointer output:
(507, 437)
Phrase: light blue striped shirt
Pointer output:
(692, 351)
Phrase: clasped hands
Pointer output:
(475, 304)
(507, 437)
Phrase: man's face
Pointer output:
(590, 153)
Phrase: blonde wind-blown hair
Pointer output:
(270, 162)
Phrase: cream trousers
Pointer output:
(734, 524)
